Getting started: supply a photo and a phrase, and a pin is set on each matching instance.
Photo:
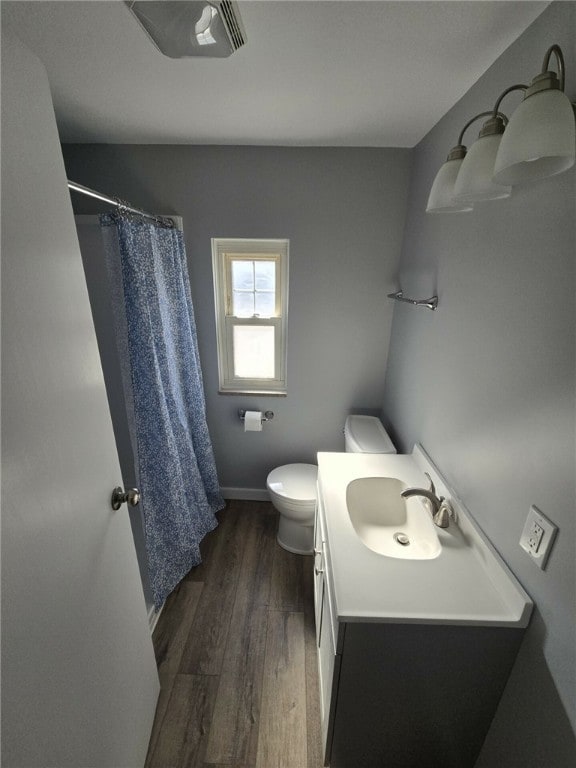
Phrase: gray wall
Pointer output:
(487, 385)
(343, 211)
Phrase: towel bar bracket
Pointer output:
(430, 303)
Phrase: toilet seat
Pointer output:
(296, 483)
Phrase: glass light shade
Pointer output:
(441, 199)
(539, 140)
(474, 180)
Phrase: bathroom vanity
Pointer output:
(414, 650)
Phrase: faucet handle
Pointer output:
(442, 517)
(432, 486)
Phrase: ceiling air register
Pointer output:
(196, 28)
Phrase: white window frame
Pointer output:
(224, 250)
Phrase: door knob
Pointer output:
(131, 496)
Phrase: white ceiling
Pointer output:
(313, 72)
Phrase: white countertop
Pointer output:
(468, 583)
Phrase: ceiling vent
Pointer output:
(181, 28)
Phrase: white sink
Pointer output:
(387, 523)
(463, 581)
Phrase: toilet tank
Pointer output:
(365, 434)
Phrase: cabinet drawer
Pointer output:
(329, 672)
(323, 565)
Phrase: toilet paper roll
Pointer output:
(253, 421)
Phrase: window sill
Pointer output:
(252, 392)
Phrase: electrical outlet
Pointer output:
(535, 535)
(538, 536)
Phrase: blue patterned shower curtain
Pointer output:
(157, 346)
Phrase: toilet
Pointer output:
(292, 487)
(365, 434)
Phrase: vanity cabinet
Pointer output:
(403, 694)
(326, 633)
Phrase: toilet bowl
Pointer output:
(292, 490)
(292, 487)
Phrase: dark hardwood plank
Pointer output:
(282, 736)
(173, 628)
(168, 639)
(161, 706)
(204, 651)
(313, 727)
(183, 732)
(237, 712)
(287, 593)
(255, 579)
(234, 731)
(264, 508)
(201, 572)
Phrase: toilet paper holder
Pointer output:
(268, 415)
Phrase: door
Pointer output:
(79, 681)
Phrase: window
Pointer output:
(251, 296)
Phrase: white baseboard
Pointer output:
(245, 494)
(153, 617)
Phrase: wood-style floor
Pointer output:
(236, 653)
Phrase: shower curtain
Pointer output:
(163, 389)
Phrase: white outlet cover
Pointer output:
(550, 530)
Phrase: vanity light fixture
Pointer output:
(474, 182)
(441, 199)
(538, 141)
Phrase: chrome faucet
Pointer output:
(440, 507)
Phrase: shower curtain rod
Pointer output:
(72, 185)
